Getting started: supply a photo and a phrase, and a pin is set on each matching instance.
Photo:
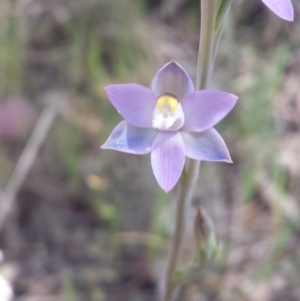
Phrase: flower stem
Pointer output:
(189, 178)
(206, 46)
(186, 189)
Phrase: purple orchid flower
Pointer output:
(171, 121)
(282, 8)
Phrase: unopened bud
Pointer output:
(206, 248)
(206, 243)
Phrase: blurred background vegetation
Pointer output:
(90, 224)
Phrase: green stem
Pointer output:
(204, 69)
(186, 189)
(206, 46)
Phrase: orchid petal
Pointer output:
(206, 146)
(167, 158)
(172, 78)
(130, 139)
(282, 8)
(134, 102)
(203, 109)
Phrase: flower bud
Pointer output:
(206, 243)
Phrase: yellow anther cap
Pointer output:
(167, 102)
